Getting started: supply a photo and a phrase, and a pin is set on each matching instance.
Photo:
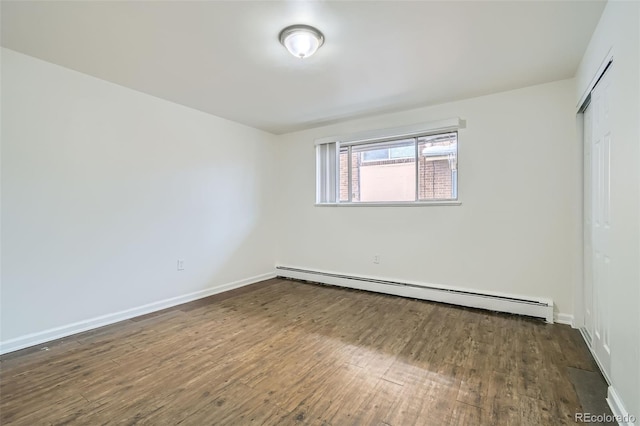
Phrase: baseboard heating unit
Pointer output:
(534, 307)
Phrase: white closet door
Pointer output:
(601, 138)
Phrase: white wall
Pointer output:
(517, 230)
(104, 188)
(618, 30)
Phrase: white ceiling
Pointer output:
(224, 57)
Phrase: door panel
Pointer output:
(598, 140)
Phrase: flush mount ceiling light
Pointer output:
(301, 41)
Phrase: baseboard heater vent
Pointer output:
(539, 308)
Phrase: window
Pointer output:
(422, 168)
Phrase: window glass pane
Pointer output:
(375, 155)
(391, 177)
(437, 167)
(408, 151)
(344, 174)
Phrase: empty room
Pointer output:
(320, 212)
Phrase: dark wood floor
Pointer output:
(294, 353)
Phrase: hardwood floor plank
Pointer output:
(376, 409)
(502, 405)
(465, 414)
(474, 387)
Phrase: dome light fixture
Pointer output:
(301, 41)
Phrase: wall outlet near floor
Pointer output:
(376, 259)
(180, 264)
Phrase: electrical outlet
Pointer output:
(376, 259)
(180, 264)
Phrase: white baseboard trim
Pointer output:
(494, 301)
(89, 324)
(620, 413)
(561, 318)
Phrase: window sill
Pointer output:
(392, 204)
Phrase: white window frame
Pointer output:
(328, 161)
